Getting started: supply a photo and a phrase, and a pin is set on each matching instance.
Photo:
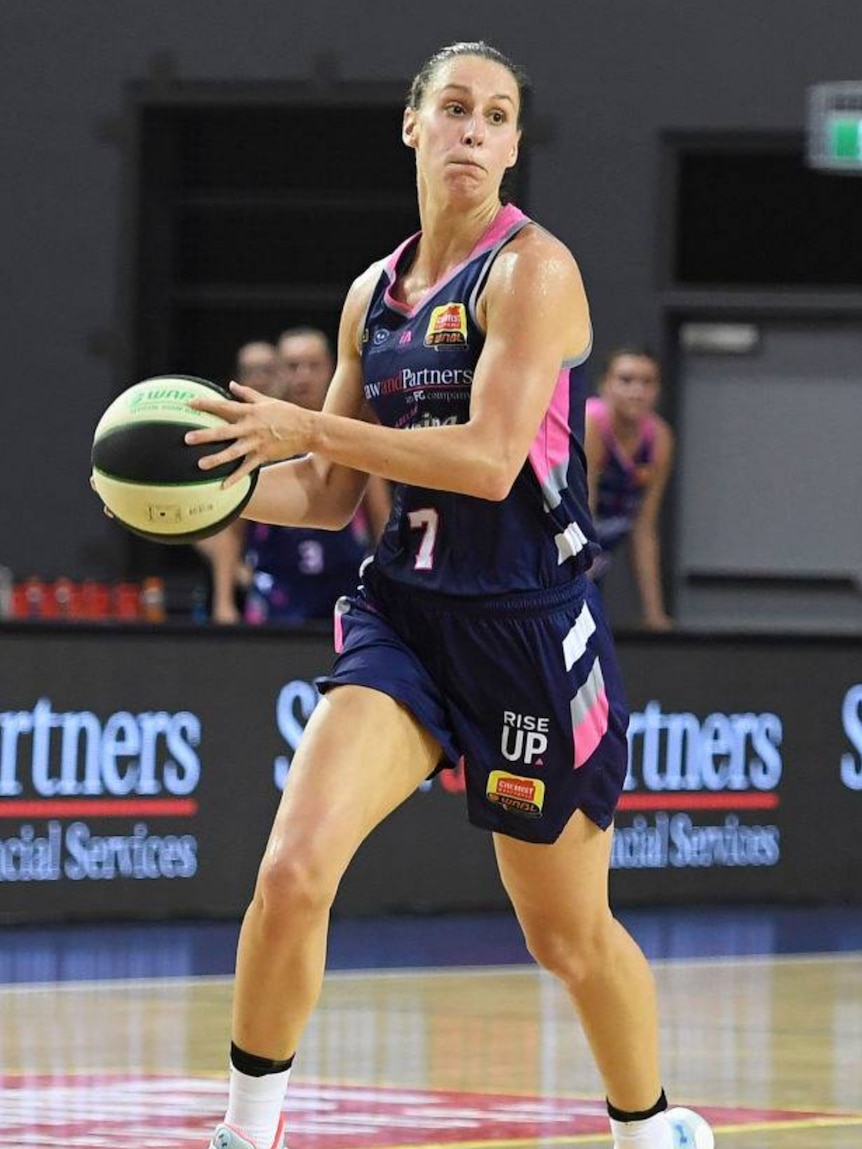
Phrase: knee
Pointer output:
(294, 884)
(574, 955)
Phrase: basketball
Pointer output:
(148, 476)
(690, 1131)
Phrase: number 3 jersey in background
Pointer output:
(298, 573)
(418, 366)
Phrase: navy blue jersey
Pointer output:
(418, 365)
(300, 572)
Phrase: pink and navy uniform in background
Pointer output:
(624, 477)
(477, 615)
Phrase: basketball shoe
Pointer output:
(671, 1129)
(227, 1137)
(690, 1130)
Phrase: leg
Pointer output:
(361, 756)
(559, 893)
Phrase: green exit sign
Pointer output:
(845, 139)
(833, 128)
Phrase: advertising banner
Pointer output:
(140, 770)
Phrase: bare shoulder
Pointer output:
(359, 292)
(356, 304)
(536, 252)
(536, 275)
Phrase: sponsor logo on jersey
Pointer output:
(519, 795)
(447, 326)
(380, 336)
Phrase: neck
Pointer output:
(449, 234)
(626, 428)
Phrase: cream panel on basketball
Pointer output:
(171, 509)
(160, 400)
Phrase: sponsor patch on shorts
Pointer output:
(519, 795)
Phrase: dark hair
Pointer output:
(636, 350)
(293, 332)
(466, 48)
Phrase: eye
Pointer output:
(497, 116)
(455, 108)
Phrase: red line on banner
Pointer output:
(699, 801)
(100, 808)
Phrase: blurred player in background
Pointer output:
(629, 452)
(275, 574)
(257, 365)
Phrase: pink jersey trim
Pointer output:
(503, 221)
(550, 448)
(591, 729)
(338, 614)
(597, 410)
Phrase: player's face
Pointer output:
(258, 368)
(306, 369)
(465, 131)
(632, 385)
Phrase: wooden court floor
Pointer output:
(769, 1048)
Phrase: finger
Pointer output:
(248, 466)
(248, 394)
(226, 408)
(219, 434)
(229, 455)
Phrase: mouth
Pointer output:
(467, 164)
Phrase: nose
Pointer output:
(474, 131)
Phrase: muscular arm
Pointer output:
(536, 316)
(645, 550)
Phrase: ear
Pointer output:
(513, 155)
(408, 127)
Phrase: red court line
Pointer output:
(100, 808)
(328, 1116)
(699, 801)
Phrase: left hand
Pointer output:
(257, 430)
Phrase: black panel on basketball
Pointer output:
(155, 453)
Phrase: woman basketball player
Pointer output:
(629, 451)
(476, 621)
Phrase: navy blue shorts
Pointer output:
(524, 689)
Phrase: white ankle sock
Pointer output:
(254, 1104)
(653, 1133)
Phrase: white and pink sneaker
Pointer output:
(228, 1137)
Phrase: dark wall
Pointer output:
(610, 76)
